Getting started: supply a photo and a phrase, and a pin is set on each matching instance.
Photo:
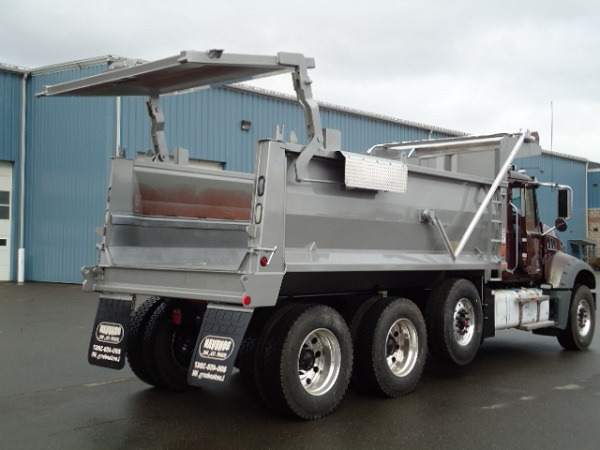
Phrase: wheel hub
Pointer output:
(402, 347)
(463, 322)
(583, 317)
(306, 360)
(319, 361)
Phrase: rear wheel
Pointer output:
(169, 344)
(582, 321)
(135, 341)
(307, 362)
(454, 319)
(391, 348)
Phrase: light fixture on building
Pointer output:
(245, 125)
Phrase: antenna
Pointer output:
(551, 141)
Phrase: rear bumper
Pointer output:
(221, 287)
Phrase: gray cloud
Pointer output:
(472, 65)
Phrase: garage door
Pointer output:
(5, 215)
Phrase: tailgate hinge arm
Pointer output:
(157, 129)
(312, 117)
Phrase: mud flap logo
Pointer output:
(110, 333)
(216, 347)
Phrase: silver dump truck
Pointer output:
(324, 266)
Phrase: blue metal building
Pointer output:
(562, 169)
(68, 143)
(593, 181)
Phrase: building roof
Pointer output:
(564, 155)
(345, 109)
(79, 64)
(13, 69)
(593, 167)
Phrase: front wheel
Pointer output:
(582, 321)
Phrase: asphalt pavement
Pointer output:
(521, 391)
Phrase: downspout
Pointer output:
(587, 206)
(117, 140)
(21, 251)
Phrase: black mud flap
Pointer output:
(223, 329)
(109, 336)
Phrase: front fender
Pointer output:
(563, 271)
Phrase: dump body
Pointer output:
(186, 232)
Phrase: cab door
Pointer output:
(523, 235)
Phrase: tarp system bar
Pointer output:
(448, 146)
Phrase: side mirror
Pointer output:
(560, 224)
(564, 203)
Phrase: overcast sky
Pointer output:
(477, 66)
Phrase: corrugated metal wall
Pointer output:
(558, 169)
(593, 182)
(10, 112)
(207, 123)
(10, 130)
(69, 143)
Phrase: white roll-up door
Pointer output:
(5, 216)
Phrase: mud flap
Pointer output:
(109, 336)
(220, 338)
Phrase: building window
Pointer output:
(4, 205)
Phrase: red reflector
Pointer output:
(176, 316)
(246, 300)
(264, 261)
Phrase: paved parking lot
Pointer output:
(522, 391)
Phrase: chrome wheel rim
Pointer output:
(319, 361)
(584, 320)
(402, 347)
(464, 315)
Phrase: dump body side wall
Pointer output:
(331, 228)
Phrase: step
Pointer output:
(536, 325)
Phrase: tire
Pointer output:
(391, 349)
(250, 360)
(582, 321)
(454, 320)
(354, 312)
(169, 347)
(307, 362)
(135, 340)
(248, 357)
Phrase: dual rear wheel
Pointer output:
(300, 362)
(161, 342)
